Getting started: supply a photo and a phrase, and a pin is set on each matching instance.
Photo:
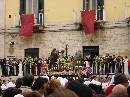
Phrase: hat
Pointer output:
(120, 78)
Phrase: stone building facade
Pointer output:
(113, 39)
(60, 29)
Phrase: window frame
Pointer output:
(30, 10)
(98, 7)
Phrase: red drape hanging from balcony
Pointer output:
(27, 22)
(87, 19)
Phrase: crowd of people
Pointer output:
(97, 65)
(108, 64)
(44, 86)
(84, 81)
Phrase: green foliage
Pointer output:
(77, 59)
(29, 61)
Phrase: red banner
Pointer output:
(87, 19)
(27, 22)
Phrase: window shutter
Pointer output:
(30, 6)
(35, 10)
(100, 2)
(40, 5)
(84, 4)
(22, 6)
(16, 21)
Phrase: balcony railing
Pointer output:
(37, 20)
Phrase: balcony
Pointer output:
(38, 22)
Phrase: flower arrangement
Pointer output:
(29, 61)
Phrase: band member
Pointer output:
(94, 65)
(110, 62)
(126, 65)
(3, 67)
(20, 68)
(11, 68)
(44, 67)
(106, 65)
(39, 64)
(118, 64)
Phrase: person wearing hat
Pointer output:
(118, 79)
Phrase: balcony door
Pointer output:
(35, 7)
(90, 51)
(97, 5)
(33, 52)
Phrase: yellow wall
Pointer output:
(127, 8)
(2, 10)
(116, 9)
(58, 11)
(12, 8)
(68, 11)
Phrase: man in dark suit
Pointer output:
(3, 67)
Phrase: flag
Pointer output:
(27, 22)
(87, 19)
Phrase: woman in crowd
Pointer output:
(39, 85)
(11, 92)
(60, 92)
(52, 85)
(20, 68)
(80, 89)
(27, 81)
(29, 94)
(18, 82)
(32, 94)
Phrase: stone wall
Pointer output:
(111, 39)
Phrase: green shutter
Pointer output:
(83, 4)
(100, 2)
(22, 6)
(40, 5)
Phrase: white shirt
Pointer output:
(87, 83)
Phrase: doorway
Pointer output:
(33, 52)
(90, 51)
